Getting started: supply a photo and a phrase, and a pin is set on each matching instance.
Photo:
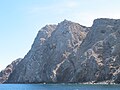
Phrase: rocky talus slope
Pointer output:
(4, 74)
(69, 52)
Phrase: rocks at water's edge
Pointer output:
(69, 52)
(4, 74)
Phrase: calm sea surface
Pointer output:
(57, 87)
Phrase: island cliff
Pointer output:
(72, 53)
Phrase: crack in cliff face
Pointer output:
(55, 71)
(70, 52)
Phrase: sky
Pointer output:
(20, 20)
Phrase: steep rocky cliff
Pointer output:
(70, 52)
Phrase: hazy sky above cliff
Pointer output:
(20, 20)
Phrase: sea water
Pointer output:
(57, 87)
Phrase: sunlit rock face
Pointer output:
(51, 48)
(99, 55)
(70, 52)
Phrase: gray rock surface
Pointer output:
(70, 52)
(4, 74)
(98, 56)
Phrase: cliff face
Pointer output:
(69, 52)
(97, 59)
(4, 74)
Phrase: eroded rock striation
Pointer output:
(69, 52)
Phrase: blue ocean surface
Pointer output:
(57, 87)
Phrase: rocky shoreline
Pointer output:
(4, 74)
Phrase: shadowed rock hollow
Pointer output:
(70, 52)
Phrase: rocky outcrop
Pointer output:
(4, 74)
(70, 52)
(51, 48)
(98, 56)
